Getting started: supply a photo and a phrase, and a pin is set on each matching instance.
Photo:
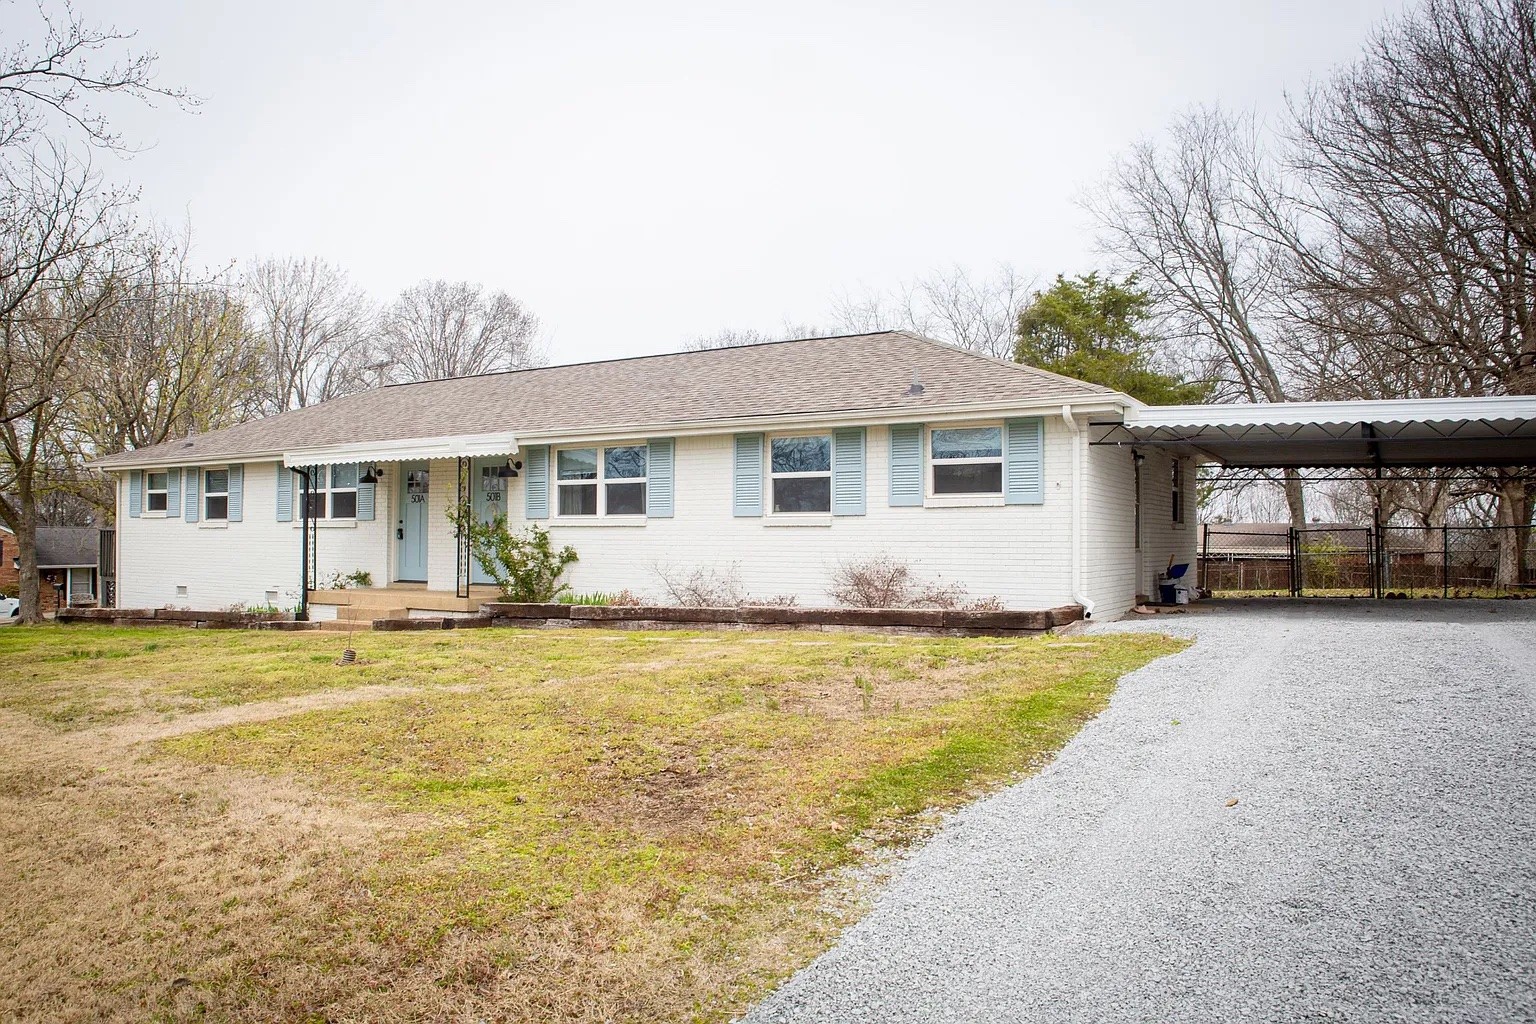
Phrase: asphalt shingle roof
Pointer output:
(67, 546)
(858, 373)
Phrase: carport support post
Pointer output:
(1445, 560)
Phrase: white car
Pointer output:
(10, 610)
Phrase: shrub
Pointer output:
(600, 597)
(524, 565)
(703, 586)
(348, 580)
(888, 582)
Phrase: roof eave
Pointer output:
(1109, 403)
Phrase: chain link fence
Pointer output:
(1363, 561)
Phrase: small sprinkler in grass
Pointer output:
(348, 653)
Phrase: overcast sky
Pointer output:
(643, 173)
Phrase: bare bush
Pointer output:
(885, 581)
(702, 586)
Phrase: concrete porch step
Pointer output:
(387, 602)
(367, 613)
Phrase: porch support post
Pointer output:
(304, 550)
(461, 540)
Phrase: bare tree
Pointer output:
(980, 313)
(439, 329)
(733, 338)
(314, 328)
(170, 356)
(1420, 165)
(47, 82)
(58, 267)
(1189, 218)
(58, 257)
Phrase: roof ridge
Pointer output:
(994, 360)
(652, 355)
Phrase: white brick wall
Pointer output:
(1019, 553)
(243, 562)
(1162, 538)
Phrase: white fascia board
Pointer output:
(971, 411)
(405, 450)
(1404, 410)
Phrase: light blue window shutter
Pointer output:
(236, 493)
(1024, 462)
(365, 497)
(747, 491)
(173, 493)
(906, 464)
(194, 488)
(284, 494)
(848, 471)
(658, 468)
(536, 487)
(135, 493)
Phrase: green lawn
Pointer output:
(551, 825)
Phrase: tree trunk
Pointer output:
(1295, 499)
(28, 578)
(1514, 520)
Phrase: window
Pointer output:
(333, 492)
(1178, 490)
(800, 469)
(601, 481)
(966, 460)
(215, 494)
(493, 486)
(156, 483)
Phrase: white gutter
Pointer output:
(1078, 515)
(1399, 410)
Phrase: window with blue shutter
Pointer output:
(236, 493)
(173, 494)
(536, 485)
(284, 494)
(906, 464)
(135, 493)
(193, 481)
(660, 456)
(848, 471)
(1024, 462)
(747, 486)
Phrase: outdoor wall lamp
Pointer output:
(509, 470)
(370, 475)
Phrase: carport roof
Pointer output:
(1438, 432)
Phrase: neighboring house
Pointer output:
(775, 462)
(66, 560)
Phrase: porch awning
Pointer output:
(406, 450)
(1437, 432)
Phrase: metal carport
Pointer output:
(1450, 436)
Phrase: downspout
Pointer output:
(1078, 590)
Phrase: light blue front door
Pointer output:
(490, 494)
(411, 522)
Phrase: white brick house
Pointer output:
(774, 463)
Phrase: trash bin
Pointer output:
(1170, 586)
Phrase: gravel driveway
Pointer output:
(1379, 864)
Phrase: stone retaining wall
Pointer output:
(926, 620)
(533, 616)
(185, 618)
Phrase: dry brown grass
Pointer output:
(483, 826)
